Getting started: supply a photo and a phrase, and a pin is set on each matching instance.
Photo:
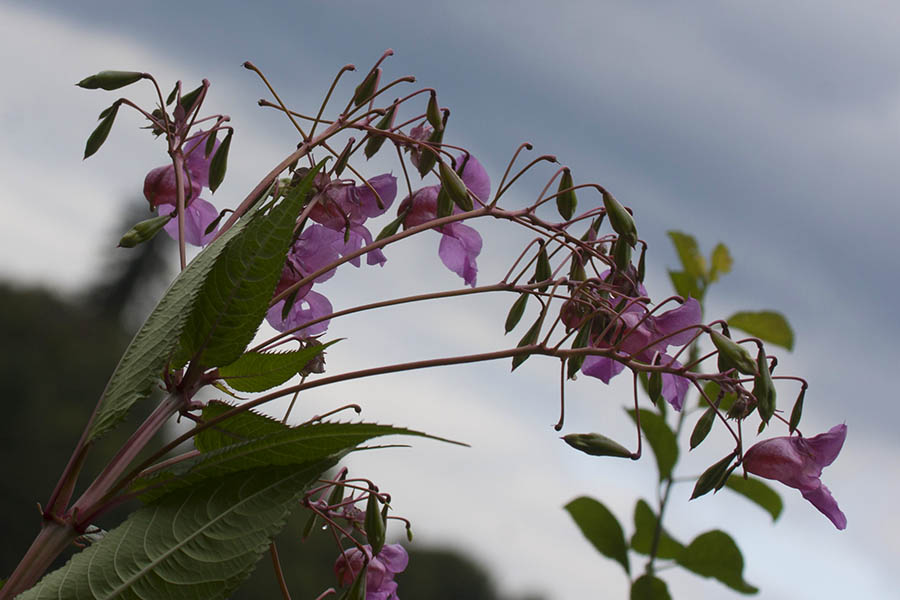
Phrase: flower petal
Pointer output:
(460, 246)
(601, 367)
(160, 188)
(385, 185)
(311, 306)
(198, 216)
(822, 499)
(826, 446)
(394, 557)
(475, 177)
(195, 159)
(686, 315)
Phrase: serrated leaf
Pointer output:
(767, 325)
(236, 295)
(243, 426)
(219, 163)
(644, 528)
(759, 492)
(648, 587)
(601, 528)
(721, 262)
(200, 542)
(692, 261)
(146, 356)
(287, 446)
(261, 371)
(516, 312)
(661, 439)
(101, 132)
(714, 554)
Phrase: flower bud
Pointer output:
(732, 355)
(375, 530)
(376, 140)
(622, 254)
(566, 200)
(620, 219)
(763, 388)
(433, 113)
(596, 444)
(145, 230)
(110, 80)
(366, 89)
(713, 478)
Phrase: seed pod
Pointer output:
(703, 427)
(543, 271)
(110, 80)
(101, 132)
(219, 163)
(341, 162)
(433, 113)
(375, 140)
(367, 88)
(516, 312)
(596, 444)
(732, 355)
(713, 477)
(654, 387)
(427, 158)
(763, 388)
(375, 530)
(566, 200)
(622, 254)
(145, 230)
(797, 411)
(454, 185)
(620, 219)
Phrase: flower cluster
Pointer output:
(380, 569)
(797, 462)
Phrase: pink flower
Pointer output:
(161, 191)
(380, 584)
(797, 462)
(460, 244)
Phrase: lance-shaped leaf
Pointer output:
(714, 554)
(153, 345)
(644, 530)
(648, 587)
(219, 163)
(797, 411)
(759, 492)
(261, 371)
(661, 439)
(237, 292)
(581, 341)
(110, 80)
(689, 253)
(101, 132)
(601, 528)
(767, 325)
(200, 542)
(721, 262)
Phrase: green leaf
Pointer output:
(714, 554)
(712, 392)
(692, 261)
(713, 477)
(110, 80)
(759, 492)
(390, 229)
(219, 163)
(767, 325)
(200, 542)
(101, 132)
(187, 101)
(721, 262)
(237, 293)
(516, 312)
(685, 285)
(648, 587)
(243, 426)
(145, 358)
(644, 528)
(661, 439)
(261, 371)
(581, 340)
(367, 87)
(601, 528)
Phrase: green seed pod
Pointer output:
(764, 388)
(713, 477)
(366, 89)
(110, 80)
(516, 312)
(145, 230)
(566, 200)
(444, 204)
(219, 163)
(375, 140)
(622, 254)
(797, 411)
(543, 271)
(620, 219)
(581, 340)
(433, 113)
(375, 529)
(101, 132)
(341, 162)
(187, 101)
(528, 339)
(703, 427)
(732, 355)
(654, 387)
(576, 270)
(427, 158)
(454, 185)
(596, 444)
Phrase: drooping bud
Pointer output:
(145, 230)
(620, 219)
(732, 355)
(566, 200)
(454, 185)
(596, 444)
(110, 80)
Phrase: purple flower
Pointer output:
(797, 462)
(161, 191)
(646, 338)
(344, 208)
(380, 584)
(460, 244)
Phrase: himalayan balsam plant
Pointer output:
(209, 513)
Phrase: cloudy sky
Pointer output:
(773, 128)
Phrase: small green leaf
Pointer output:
(759, 492)
(764, 388)
(596, 444)
(543, 271)
(685, 285)
(797, 411)
(714, 554)
(601, 528)
(210, 144)
(110, 80)
(721, 262)
(767, 325)
(703, 427)
(644, 529)
(713, 477)
(661, 439)
(648, 587)
(172, 95)
(566, 200)
(391, 228)
(187, 101)
(516, 312)
(261, 371)
(689, 253)
(219, 163)
(101, 132)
